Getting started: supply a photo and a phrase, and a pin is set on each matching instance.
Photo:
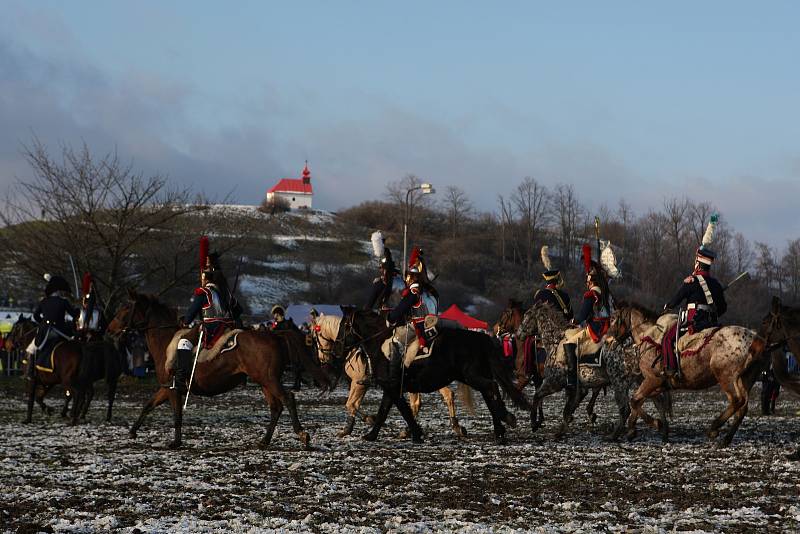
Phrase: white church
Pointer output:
(298, 192)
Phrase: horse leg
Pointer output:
(158, 398)
(112, 393)
(176, 400)
(41, 393)
(623, 407)
(354, 398)
(743, 397)
(31, 398)
(661, 403)
(275, 410)
(380, 418)
(449, 401)
(548, 387)
(590, 406)
(86, 400)
(414, 402)
(405, 410)
(302, 435)
(68, 398)
(570, 405)
(493, 402)
(645, 390)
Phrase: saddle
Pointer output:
(225, 342)
(594, 359)
(688, 345)
(45, 355)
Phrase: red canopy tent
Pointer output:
(454, 313)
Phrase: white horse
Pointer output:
(325, 331)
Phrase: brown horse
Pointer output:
(260, 356)
(355, 366)
(65, 369)
(729, 356)
(526, 371)
(782, 326)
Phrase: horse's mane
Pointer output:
(647, 313)
(159, 309)
(329, 325)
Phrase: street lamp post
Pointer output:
(427, 189)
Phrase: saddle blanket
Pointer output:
(226, 343)
(45, 356)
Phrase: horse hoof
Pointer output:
(631, 435)
(263, 444)
(403, 434)
(344, 433)
(593, 419)
(26, 421)
(712, 435)
(416, 439)
(460, 431)
(305, 439)
(370, 436)
(794, 457)
(174, 445)
(511, 420)
(132, 434)
(500, 440)
(370, 420)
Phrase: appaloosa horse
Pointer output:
(459, 355)
(260, 356)
(730, 356)
(355, 366)
(527, 365)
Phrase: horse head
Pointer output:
(138, 313)
(510, 319)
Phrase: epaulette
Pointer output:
(405, 292)
(200, 291)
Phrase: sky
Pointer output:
(621, 99)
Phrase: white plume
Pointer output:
(47, 276)
(708, 237)
(548, 265)
(608, 260)
(377, 244)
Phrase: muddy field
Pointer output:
(93, 477)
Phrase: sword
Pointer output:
(194, 365)
(74, 277)
(741, 278)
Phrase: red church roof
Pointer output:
(291, 185)
(295, 185)
(454, 313)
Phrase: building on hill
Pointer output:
(298, 192)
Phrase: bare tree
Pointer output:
(458, 208)
(742, 253)
(766, 265)
(116, 223)
(566, 213)
(791, 268)
(676, 212)
(530, 199)
(506, 227)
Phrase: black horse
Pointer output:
(102, 359)
(472, 358)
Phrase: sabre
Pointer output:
(194, 365)
(741, 278)
(597, 235)
(74, 277)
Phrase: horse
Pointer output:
(527, 371)
(549, 326)
(65, 358)
(730, 356)
(782, 326)
(260, 356)
(459, 355)
(326, 328)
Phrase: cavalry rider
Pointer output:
(213, 300)
(279, 320)
(594, 317)
(703, 294)
(388, 286)
(90, 321)
(50, 315)
(552, 292)
(704, 298)
(420, 299)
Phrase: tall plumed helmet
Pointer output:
(86, 284)
(705, 255)
(550, 275)
(545, 252)
(416, 261)
(204, 244)
(47, 277)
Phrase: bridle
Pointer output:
(143, 326)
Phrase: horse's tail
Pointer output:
(466, 398)
(505, 375)
(301, 357)
(781, 370)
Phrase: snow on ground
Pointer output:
(93, 477)
(263, 292)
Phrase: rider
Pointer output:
(213, 300)
(281, 323)
(552, 292)
(388, 286)
(594, 317)
(704, 297)
(50, 315)
(90, 320)
(420, 299)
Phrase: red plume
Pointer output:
(86, 284)
(414, 257)
(203, 252)
(587, 258)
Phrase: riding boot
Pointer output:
(396, 366)
(183, 368)
(572, 364)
